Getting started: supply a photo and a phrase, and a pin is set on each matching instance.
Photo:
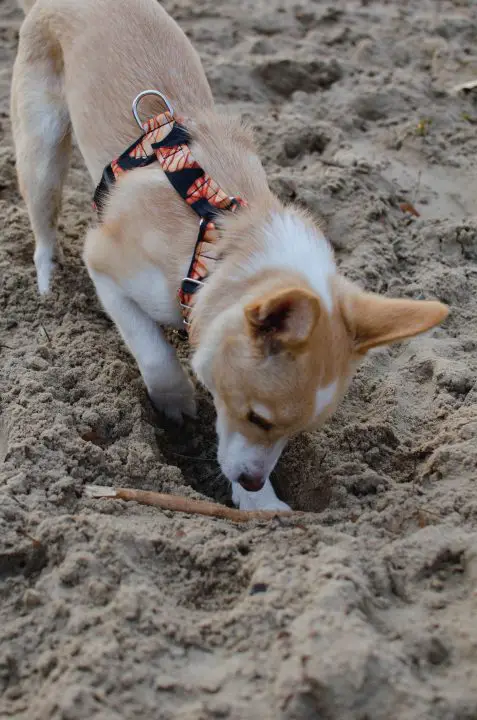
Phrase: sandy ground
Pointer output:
(363, 609)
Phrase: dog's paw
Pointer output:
(175, 407)
(176, 404)
(278, 505)
(264, 499)
(45, 265)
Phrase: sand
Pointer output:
(362, 609)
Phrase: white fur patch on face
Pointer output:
(237, 455)
(293, 245)
(324, 397)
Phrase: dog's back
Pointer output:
(100, 54)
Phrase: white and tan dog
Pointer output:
(277, 333)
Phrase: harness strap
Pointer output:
(166, 141)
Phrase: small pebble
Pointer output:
(32, 599)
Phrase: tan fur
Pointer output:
(285, 382)
(262, 338)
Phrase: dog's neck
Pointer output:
(264, 244)
(264, 238)
(224, 147)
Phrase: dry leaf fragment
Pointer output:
(408, 207)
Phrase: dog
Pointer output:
(276, 332)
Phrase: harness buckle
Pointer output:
(192, 280)
(199, 284)
(144, 94)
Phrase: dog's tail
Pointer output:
(26, 5)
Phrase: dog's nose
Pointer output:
(253, 483)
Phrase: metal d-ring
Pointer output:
(143, 94)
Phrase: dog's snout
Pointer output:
(253, 483)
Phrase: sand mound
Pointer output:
(362, 609)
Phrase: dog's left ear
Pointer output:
(373, 320)
(283, 319)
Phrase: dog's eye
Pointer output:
(259, 421)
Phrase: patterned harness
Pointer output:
(166, 141)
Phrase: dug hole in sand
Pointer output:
(365, 607)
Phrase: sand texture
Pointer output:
(365, 607)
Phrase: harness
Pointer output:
(166, 141)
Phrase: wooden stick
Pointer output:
(177, 503)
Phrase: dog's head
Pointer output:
(279, 360)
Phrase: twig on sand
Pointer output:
(332, 163)
(176, 503)
(465, 87)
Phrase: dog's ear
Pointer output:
(373, 320)
(283, 319)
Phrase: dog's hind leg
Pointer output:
(42, 136)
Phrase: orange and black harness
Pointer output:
(166, 141)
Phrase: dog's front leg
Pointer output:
(169, 388)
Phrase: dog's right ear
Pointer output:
(373, 320)
(283, 319)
